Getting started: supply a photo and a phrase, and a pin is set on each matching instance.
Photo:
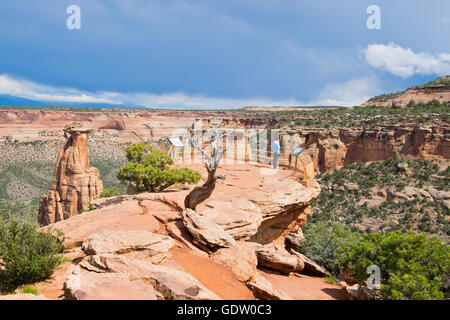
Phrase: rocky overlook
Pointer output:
(146, 246)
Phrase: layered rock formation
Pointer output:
(75, 184)
(332, 148)
(329, 148)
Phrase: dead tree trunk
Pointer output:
(201, 193)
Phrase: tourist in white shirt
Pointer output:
(276, 153)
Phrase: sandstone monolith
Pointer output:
(75, 184)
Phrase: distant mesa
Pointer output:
(75, 184)
(284, 108)
(438, 89)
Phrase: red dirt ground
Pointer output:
(302, 287)
(212, 275)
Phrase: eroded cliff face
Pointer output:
(418, 95)
(329, 148)
(75, 183)
(334, 148)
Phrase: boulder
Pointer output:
(135, 244)
(404, 168)
(443, 197)
(380, 193)
(409, 193)
(438, 195)
(412, 193)
(348, 186)
(178, 231)
(240, 259)
(372, 201)
(369, 294)
(107, 286)
(294, 240)
(446, 203)
(240, 218)
(310, 267)
(357, 292)
(279, 260)
(263, 289)
(171, 283)
(353, 291)
(205, 232)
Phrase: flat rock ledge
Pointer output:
(107, 286)
(142, 245)
(168, 283)
(263, 289)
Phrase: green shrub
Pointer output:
(110, 192)
(27, 255)
(323, 242)
(412, 266)
(30, 289)
(150, 170)
(330, 279)
(337, 203)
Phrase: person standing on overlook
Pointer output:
(276, 153)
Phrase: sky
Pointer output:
(216, 54)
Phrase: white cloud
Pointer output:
(445, 57)
(34, 91)
(180, 99)
(404, 62)
(350, 93)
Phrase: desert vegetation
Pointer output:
(383, 213)
(390, 195)
(27, 168)
(413, 266)
(357, 117)
(149, 169)
(27, 254)
(442, 81)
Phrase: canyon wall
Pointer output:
(334, 148)
(329, 148)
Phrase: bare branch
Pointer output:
(201, 193)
